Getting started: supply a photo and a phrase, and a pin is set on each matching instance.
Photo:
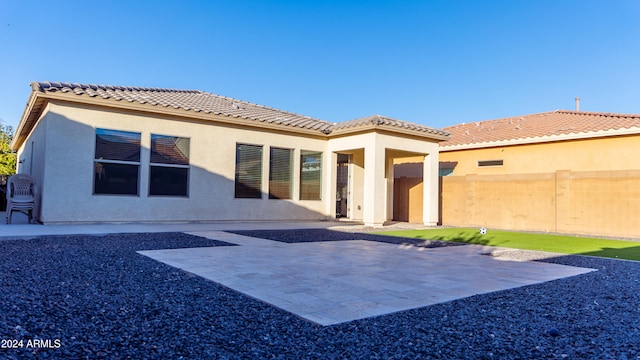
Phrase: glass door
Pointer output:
(342, 187)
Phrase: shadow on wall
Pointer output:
(92, 164)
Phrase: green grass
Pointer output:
(563, 244)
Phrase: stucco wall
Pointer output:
(64, 149)
(612, 153)
(70, 145)
(31, 159)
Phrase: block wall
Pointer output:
(602, 203)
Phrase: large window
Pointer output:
(117, 162)
(169, 166)
(248, 183)
(310, 175)
(280, 173)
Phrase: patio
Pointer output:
(331, 282)
(326, 282)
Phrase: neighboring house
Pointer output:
(550, 141)
(130, 154)
(560, 171)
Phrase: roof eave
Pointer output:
(32, 111)
(388, 128)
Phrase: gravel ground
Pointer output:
(94, 297)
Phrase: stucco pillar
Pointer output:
(375, 185)
(389, 178)
(431, 190)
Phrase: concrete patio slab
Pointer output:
(339, 281)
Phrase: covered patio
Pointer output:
(370, 173)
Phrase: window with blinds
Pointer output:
(310, 175)
(248, 179)
(117, 162)
(280, 173)
(169, 165)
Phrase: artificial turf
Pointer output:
(565, 244)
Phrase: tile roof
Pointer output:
(207, 103)
(547, 125)
(188, 100)
(378, 120)
(202, 105)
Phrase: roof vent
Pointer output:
(577, 104)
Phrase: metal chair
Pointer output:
(21, 196)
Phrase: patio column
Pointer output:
(375, 185)
(431, 195)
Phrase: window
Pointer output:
(169, 166)
(248, 183)
(310, 175)
(490, 163)
(117, 162)
(280, 173)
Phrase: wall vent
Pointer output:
(490, 163)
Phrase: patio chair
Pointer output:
(21, 196)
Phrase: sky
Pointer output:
(432, 62)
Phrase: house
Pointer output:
(132, 154)
(559, 171)
(549, 141)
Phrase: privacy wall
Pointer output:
(603, 203)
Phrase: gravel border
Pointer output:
(100, 299)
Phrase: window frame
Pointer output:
(128, 163)
(172, 165)
(271, 194)
(250, 192)
(302, 192)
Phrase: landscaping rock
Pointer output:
(101, 299)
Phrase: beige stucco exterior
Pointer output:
(589, 154)
(58, 151)
(68, 135)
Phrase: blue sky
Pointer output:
(434, 62)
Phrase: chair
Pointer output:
(21, 196)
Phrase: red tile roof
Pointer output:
(547, 125)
